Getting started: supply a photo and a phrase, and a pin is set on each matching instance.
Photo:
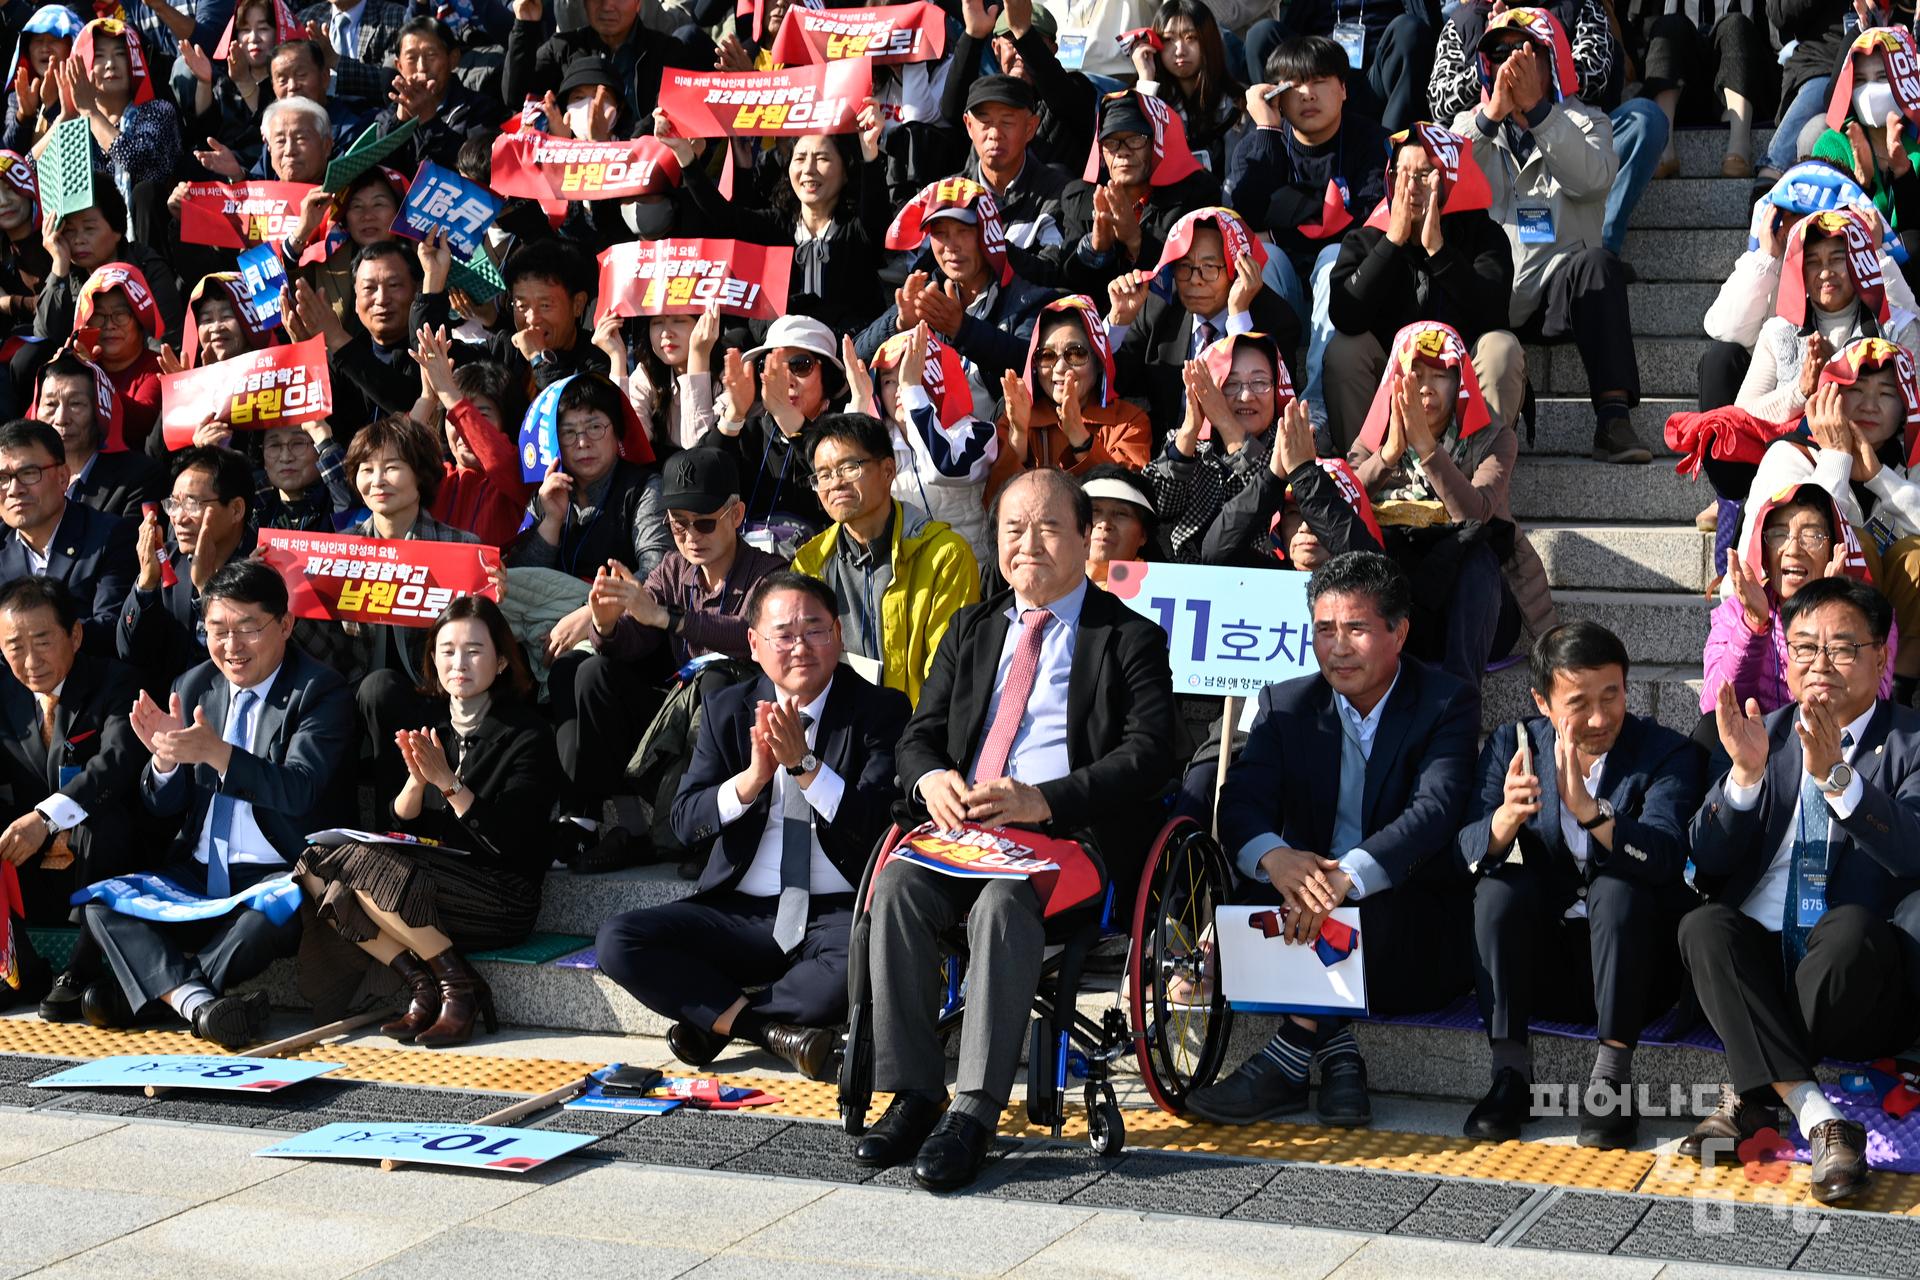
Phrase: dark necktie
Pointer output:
(796, 858)
(1807, 866)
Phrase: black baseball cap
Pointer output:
(1011, 90)
(699, 480)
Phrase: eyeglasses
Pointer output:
(1233, 388)
(1077, 356)
(114, 319)
(245, 635)
(575, 435)
(1133, 146)
(702, 525)
(1841, 653)
(1204, 272)
(27, 476)
(813, 636)
(848, 471)
(187, 506)
(1809, 539)
(297, 442)
(801, 366)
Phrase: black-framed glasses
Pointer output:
(1134, 144)
(27, 476)
(1204, 272)
(801, 366)
(1840, 653)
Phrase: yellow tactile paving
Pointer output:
(1775, 1182)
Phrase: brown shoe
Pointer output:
(464, 996)
(1735, 165)
(1732, 1122)
(1839, 1160)
(423, 1008)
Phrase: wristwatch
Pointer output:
(1600, 818)
(808, 763)
(1838, 778)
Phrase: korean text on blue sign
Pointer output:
(440, 197)
(262, 278)
(187, 1071)
(540, 432)
(464, 1146)
(1230, 632)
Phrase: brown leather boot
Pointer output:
(464, 995)
(425, 1004)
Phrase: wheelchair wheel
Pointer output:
(1180, 1017)
(1106, 1130)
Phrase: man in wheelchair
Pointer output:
(1392, 741)
(1048, 706)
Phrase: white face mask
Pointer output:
(580, 117)
(1873, 103)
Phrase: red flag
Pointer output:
(914, 32)
(402, 583)
(272, 387)
(542, 167)
(741, 104)
(1334, 218)
(684, 277)
(240, 215)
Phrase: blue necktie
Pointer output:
(1807, 866)
(796, 859)
(220, 815)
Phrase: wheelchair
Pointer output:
(1175, 1021)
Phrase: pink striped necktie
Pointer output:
(1013, 697)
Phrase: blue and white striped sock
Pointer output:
(1339, 1046)
(1292, 1050)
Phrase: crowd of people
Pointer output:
(1210, 285)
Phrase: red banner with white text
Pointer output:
(240, 215)
(272, 387)
(914, 32)
(738, 104)
(402, 583)
(539, 166)
(685, 277)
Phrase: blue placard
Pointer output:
(1230, 632)
(187, 1071)
(439, 197)
(262, 278)
(540, 432)
(146, 895)
(464, 1146)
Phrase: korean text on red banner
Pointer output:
(680, 277)
(344, 578)
(271, 387)
(240, 215)
(915, 32)
(539, 166)
(716, 104)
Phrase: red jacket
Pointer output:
(491, 502)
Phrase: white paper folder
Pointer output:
(1262, 974)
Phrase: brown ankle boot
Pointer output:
(425, 1004)
(463, 996)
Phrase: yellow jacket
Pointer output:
(934, 576)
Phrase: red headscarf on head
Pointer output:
(1096, 327)
(333, 231)
(1898, 50)
(227, 285)
(909, 225)
(1541, 27)
(106, 405)
(1435, 344)
(285, 27)
(1463, 186)
(1863, 263)
(136, 57)
(18, 172)
(1865, 355)
(1173, 157)
(1236, 238)
(128, 279)
(944, 377)
(1218, 357)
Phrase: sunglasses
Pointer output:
(702, 525)
(801, 366)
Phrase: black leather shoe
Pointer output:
(1732, 1123)
(1499, 1116)
(1617, 1127)
(233, 1022)
(1839, 1150)
(62, 1001)
(1343, 1101)
(896, 1136)
(1259, 1090)
(103, 1005)
(953, 1154)
(808, 1050)
(696, 1046)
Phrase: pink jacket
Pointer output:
(1757, 665)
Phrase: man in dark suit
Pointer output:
(91, 554)
(361, 39)
(1579, 840)
(75, 398)
(245, 753)
(794, 773)
(1062, 723)
(1808, 851)
(68, 760)
(1349, 790)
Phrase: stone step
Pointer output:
(1668, 367)
(1669, 694)
(1694, 202)
(1565, 427)
(1704, 256)
(1547, 489)
(578, 904)
(1594, 556)
(1700, 149)
(1671, 309)
(1658, 627)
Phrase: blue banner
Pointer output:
(540, 432)
(187, 1071)
(439, 197)
(262, 277)
(146, 896)
(463, 1146)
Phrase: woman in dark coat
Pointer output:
(480, 781)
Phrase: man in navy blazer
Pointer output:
(88, 552)
(1579, 841)
(1350, 788)
(245, 753)
(1808, 851)
(793, 773)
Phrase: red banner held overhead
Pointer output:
(272, 387)
(343, 578)
(682, 277)
(539, 166)
(915, 32)
(739, 104)
(239, 215)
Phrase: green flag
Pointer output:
(478, 276)
(368, 150)
(65, 169)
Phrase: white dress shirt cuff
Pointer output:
(1847, 801)
(825, 791)
(65, 815)
(1248, 859)
(1366, 873)
(914, 396)
(1742, 799)
(729, 804)
(159, 775)
(919, 782)
(1239, 322)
